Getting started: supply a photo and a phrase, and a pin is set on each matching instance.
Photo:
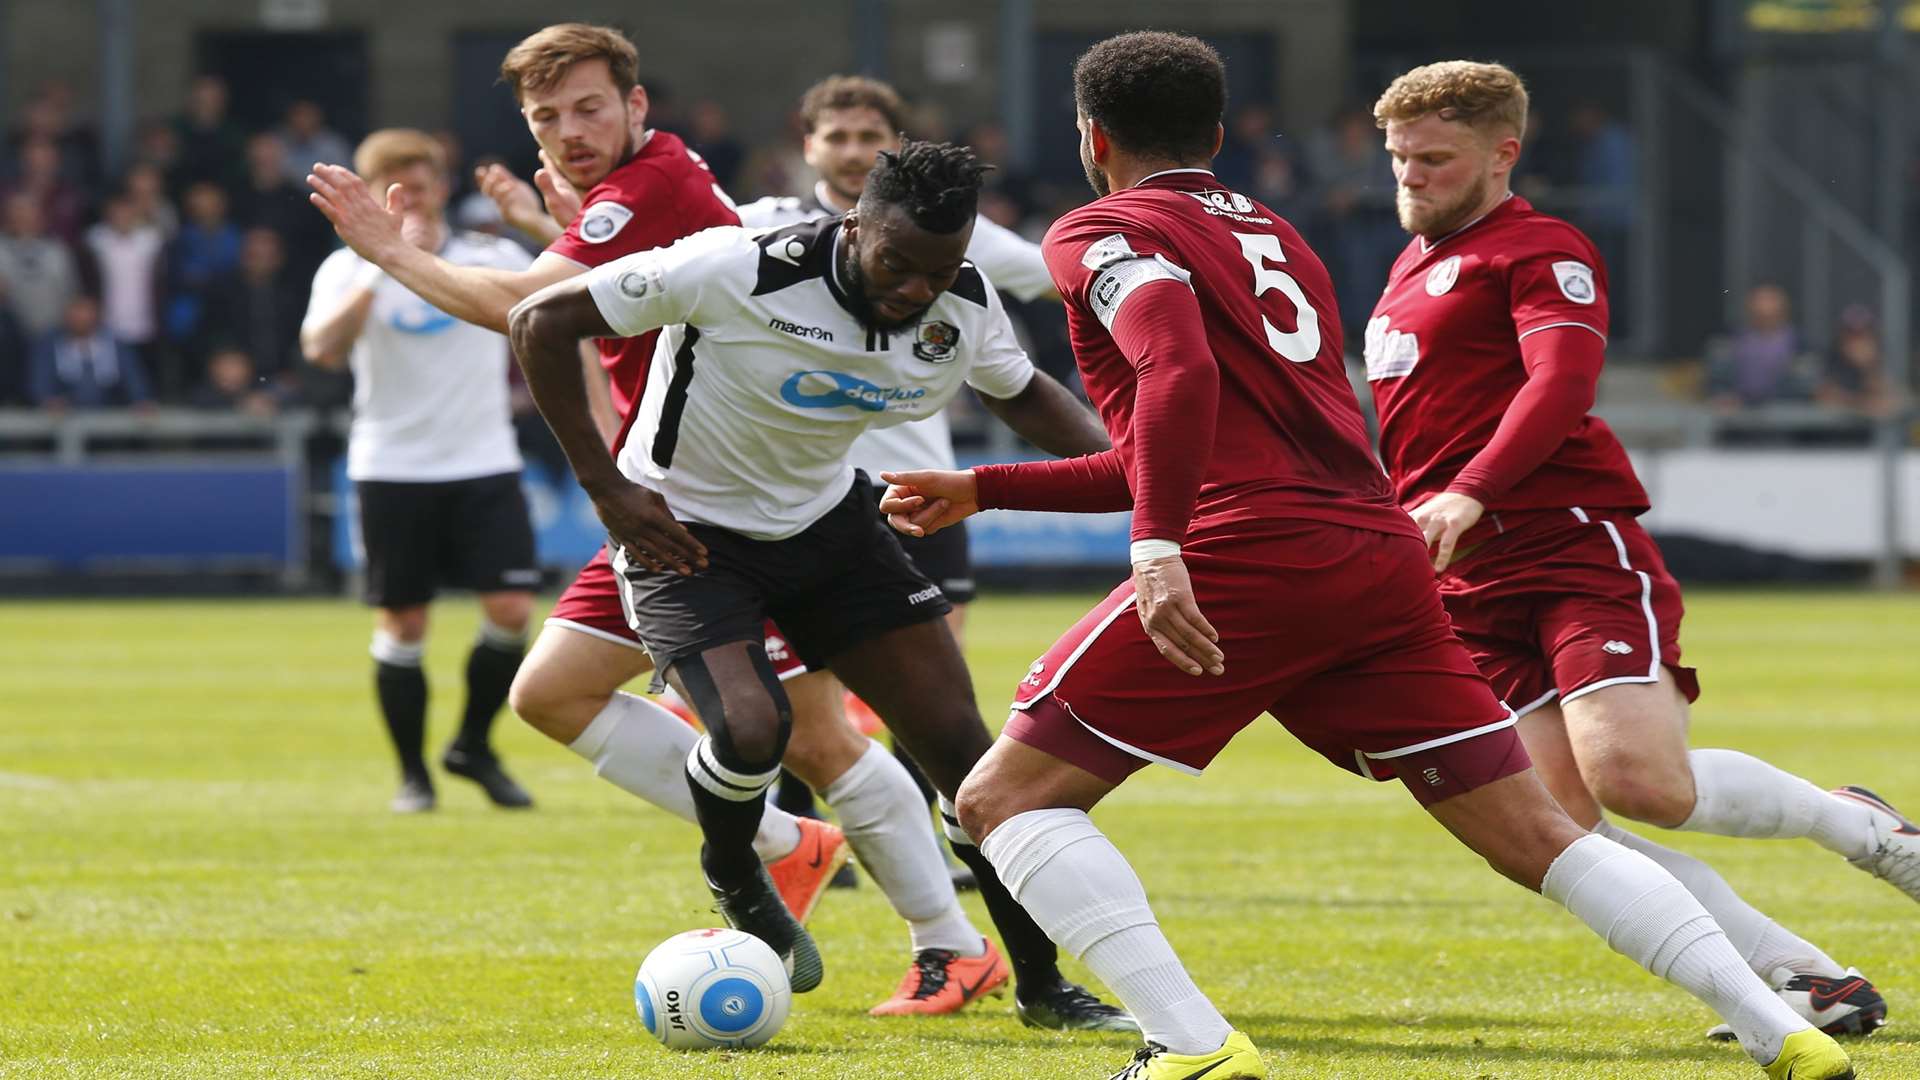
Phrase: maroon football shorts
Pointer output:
(1335, 631)
(591, 605)
(1566, 602)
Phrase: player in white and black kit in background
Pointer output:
(434, 462)
(847, 121)
(780, 348)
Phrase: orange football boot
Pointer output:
(943, 981)
(802, 874)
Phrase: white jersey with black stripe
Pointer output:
(1010, 261)
(764, 377)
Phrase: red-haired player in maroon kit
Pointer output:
(1483, 355)
(1271, 574)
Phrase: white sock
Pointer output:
(1646, 915)
(1764, 944)
(1740, 795)
(642, 749)
(887, 824)
(1081, 891)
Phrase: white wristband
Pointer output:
(1148, 550)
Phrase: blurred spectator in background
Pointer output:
(1353, 190)
(710, 134)
(257, 309)
(1855, 378)
(14, 354)
(1254, 159)
(1605, 172)
(1764, 363)
(78, 365)
(210, 147)
(1007, 182)
(146, 186)
(49, 115)
(39, 270)
(232, 385)
(206, 250)
(268, 200)
(125, 255)
(308, 139)
(38, 173)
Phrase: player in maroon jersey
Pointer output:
(1271, 574)
(1483, 355)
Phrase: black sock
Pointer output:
(402, 691)
(1032, 953)
(490, 670)
(729, 827)
(794, 796)
(913, 769)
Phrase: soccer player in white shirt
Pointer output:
(781, 347)
(435, 464)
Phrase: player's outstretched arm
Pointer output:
(546, 329)
(477, 294)
(1047, 415)
(924, 501)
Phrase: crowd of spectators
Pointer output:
(181, 279)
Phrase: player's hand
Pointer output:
(923, 502)
(638, 520)
(519, 203)
(1443, 519)
(562, 198)
(1163, 594)
(372, 229)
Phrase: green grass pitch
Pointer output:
(199, 877)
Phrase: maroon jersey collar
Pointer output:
(1512, 204)
(1181, 180)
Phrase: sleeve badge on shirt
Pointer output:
(1442, 277)
(1106, 251)
(636, 284)
(602, 221)
(1576, 281)
(937, 342)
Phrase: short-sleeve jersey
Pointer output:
(1011, 262)
(1289, 439)
(764, 376)
(662, 193)
(430, 395)
(1443, 357)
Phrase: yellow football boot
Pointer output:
(1811, 1055)
(1235, 1060)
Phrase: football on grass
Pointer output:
(712, 989)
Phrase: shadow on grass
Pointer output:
(1270, 1034)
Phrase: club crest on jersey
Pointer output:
(1576, 281)
(636, 284)
(1442, 277)
(602, 221)
(937, 342)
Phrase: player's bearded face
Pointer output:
(584, 123)
(1445, 173)
(843, 146)
(895, 270)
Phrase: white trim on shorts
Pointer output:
(1536, 703)
(1085, 644)
(1444, 740)
(594, 631)
(1134, 750)
(1646, 605)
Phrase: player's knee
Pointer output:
(1641, 789)
(541, 700)
(407, 625)
(746, 714)
(820, 753)
(981, 807)
(509, 611)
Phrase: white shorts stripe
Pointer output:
(1536, 703)
(1458, 736)
(1134, 750)
(1085, 644)
(594, 631)
(1646, 606)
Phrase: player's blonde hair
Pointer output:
(1488, 97)
(545, 57)
(389, 150)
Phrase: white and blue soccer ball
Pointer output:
(712, 989)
